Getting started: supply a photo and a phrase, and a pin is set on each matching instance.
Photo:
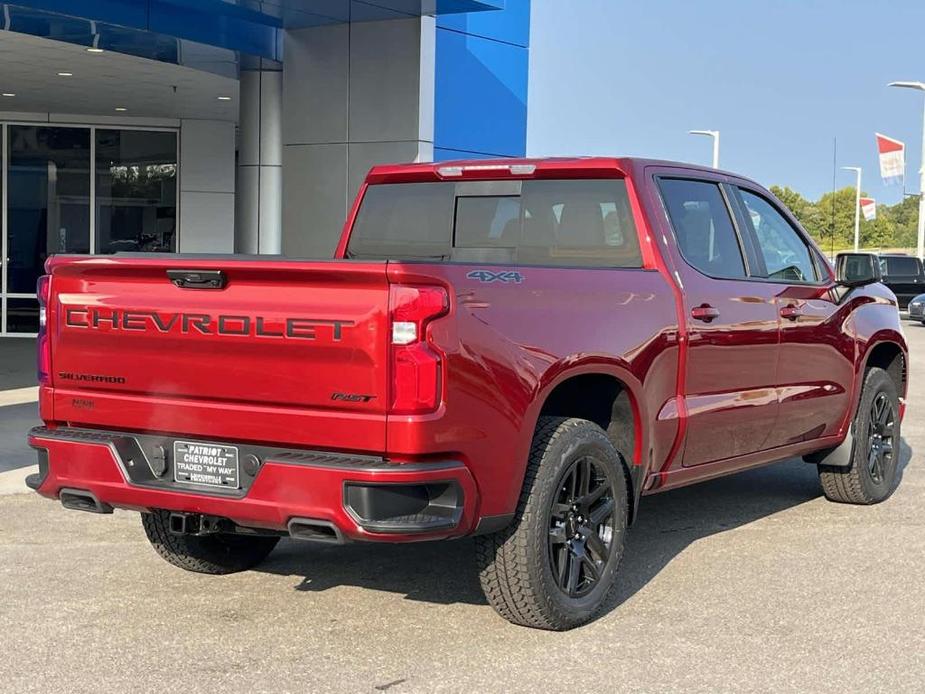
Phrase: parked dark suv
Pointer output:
(903, 274)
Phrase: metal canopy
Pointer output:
(156, 29)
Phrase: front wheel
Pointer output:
(555, 565)
(871, 475)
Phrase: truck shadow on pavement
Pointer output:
(15, 421)
(446, 573)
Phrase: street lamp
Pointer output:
(715, 135)
(857, 206)
(920, 250)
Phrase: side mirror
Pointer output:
(856, 269)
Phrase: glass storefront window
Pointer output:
(136, 191)
(47, 178)
(22, 315)
(48, 199)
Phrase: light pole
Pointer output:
(920, 244)
(715, 135)
(857, 206)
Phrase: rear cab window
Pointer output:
(545, 222)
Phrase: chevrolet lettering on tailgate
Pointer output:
(205, 324)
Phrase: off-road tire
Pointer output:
(855, 484)
(205, 554)
(515, 563)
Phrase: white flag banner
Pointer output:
(869, 209)
(892, 159)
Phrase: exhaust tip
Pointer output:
(315, 531)
(82, 500)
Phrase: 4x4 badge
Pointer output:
(489, 276)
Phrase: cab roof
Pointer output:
(518, 168)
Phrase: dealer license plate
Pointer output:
(206, 464)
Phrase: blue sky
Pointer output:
(778, 79)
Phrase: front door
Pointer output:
(730, 393)
(815, 372)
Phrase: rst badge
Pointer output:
(505, 276)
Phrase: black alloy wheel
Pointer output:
(555, 566)
(880, 437)
(581, 525)
(873, 470)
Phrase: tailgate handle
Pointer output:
(198, 279)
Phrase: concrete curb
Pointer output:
(19, 396)
(14, 481)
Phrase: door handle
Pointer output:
(704, 312)
(790, 312)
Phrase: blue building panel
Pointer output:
(480, 96)
(510, 25)
(145, 27)
(249, 26)
(443, 154)
(215, 23)
(298, 14)
(123, 13)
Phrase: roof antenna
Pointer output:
(834, 189)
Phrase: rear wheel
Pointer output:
(205, 554)
(871, 476)
(555, 565)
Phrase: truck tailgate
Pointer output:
(284, 351)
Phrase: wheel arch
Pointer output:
(888, 353)
(886, 350)
(606, 393)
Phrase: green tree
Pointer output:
(804, 210)
(905, 216)
(833, 214)
(879, 232)
(836, 212)
(795, 202)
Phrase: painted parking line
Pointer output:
(19, 396)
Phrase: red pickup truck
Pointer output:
(516, 350)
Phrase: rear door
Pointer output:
(732, 322)
(816, 368)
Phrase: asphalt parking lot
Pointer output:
(749, 583)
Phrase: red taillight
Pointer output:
(416, 365)
(42, 290)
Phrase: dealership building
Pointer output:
(227, 126)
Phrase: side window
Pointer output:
(786, 255)
(703, 227)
